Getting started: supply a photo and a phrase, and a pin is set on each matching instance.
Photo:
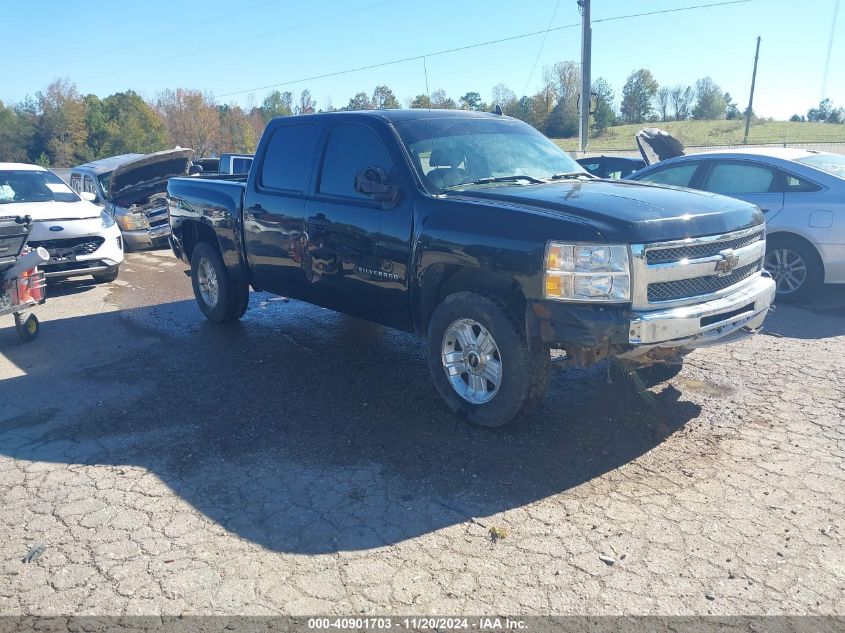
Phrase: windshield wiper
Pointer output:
(573, 175)
(515, 178)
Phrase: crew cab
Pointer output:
(477, 231)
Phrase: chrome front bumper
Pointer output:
(717, 321)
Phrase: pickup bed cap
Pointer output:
(627, 211)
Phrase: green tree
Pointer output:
(236, 131)
(133, 125)
(731, 108)
(61, 124)
(307, 104)
(826, 113)
(637, 96)
(420, 101)
(361, 101)
(191, 118)
(441, 101)
(16, 135)
(471, 101)
(276, 104)
(709, 100)
(503, 97)
(384, 99)
(562, 83)
(663, 99)
(605, 115)
(682, 99)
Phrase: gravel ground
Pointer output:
(300, 462)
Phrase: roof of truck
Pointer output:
(406, 114)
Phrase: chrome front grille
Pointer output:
(680, 272)
(157, 217)
(697, 251)
(697, 286)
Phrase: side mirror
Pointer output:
(377, 184)
(89, 197)
(193, 170)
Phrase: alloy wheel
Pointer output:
(472, 361)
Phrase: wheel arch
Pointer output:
(781, 237)
(440, 280)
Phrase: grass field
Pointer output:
(716, 133)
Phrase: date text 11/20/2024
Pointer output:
(417, 623)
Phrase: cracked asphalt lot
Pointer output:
(300, 462)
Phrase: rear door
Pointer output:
(274, 207)
(350, 264)
(753, 182)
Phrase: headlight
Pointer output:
(108, 221)
(587, 272)
(132, 222)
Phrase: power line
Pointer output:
(193, 25)
(476, 45)
(676, 10)
(829, 49)
(230, 43)
(398, 61)
(540, 50)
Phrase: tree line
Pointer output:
(60, 127)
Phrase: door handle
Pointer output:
(765, 210)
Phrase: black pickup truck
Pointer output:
(480, 233)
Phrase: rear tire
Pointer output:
(796, 267)
(480, 361)
(221, 299)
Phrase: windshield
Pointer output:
(27, 185)
(104, 182)
(462, 152)
(833, 164)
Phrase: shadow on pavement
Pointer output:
(304, 430)
(802, 320)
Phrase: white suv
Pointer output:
(81, 238)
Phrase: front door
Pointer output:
(344, 262)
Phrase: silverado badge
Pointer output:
(727, 262)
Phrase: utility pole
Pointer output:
(586, 84)
(751, 97)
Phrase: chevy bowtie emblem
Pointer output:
(727, 263)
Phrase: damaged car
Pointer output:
(132, 189)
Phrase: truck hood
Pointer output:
(629, 212)
(149, 170)
(52, 211)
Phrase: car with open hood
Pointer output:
(81, 238)
(132, 189)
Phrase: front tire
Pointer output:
(106, 277)
(221, 299)
(481, 363)
(796, 267)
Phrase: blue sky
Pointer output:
(222, 46)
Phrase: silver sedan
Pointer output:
(801, 193)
